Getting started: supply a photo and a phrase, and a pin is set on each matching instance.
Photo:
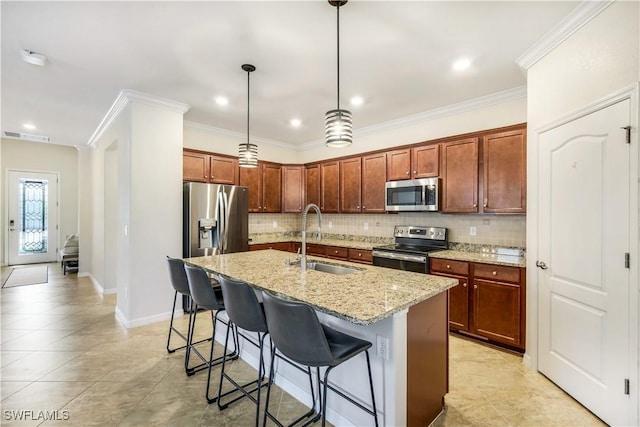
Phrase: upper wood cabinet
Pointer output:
(505, 173)
(202, 167)
(312, 184)
(460, 176)
(292, 188)
(413, 163)
(351, 185)
(374, 174)
(330, 187)
(265, 187)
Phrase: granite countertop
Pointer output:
(363, 297)
(497, 258)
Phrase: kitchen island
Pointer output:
(403, 314)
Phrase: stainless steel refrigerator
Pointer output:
(216, 219)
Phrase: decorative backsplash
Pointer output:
(491, 230)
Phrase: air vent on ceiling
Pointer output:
(27, 136)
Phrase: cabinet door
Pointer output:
(224, 170)
(350, 185)
(374, 171)
(195, 167)
(292, 189)
(316, 249)
(460, 176)
(459, 305)
(330, 187)
(252, 178)
(271, 188)
(425, 161)
(497, 312)
(363, 256)
(505, 174)
(399, 164)
(312, 184)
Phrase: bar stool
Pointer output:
(180, 284)
(209, 298)
(246, 313)
(298, 334)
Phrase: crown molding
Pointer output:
(238, 135)
(125, 97)
(576, 19)
(449, 110)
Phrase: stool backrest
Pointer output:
(242, 305)
(178, 276)
(201, 290)
(296, 331)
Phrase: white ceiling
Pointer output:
(397, 55)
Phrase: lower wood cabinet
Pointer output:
(362, 256)
(489, 301)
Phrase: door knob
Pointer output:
(541, 265)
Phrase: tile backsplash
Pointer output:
(499, 230)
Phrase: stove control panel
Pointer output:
(419, 232)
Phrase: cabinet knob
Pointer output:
(299, 208)
(205, 176)
(357, 207)
(336, 251)
(359, 254)
(464, 284)
(475, 205)
(407, 172)
(363, 207)
(414, 172)
(475, 286)
(485, 205)
(448, 266)
(495, 273)
(213, 177)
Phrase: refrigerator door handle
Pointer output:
(220, 221)
(225, 207)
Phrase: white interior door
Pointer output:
(32, 217)
(584, 234)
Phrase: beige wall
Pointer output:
(41, 157)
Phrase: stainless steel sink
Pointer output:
(330, 268)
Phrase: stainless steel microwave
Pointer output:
(412, 195)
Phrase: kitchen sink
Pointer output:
(330, 268)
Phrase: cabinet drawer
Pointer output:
(496, 272)
(315, 249)
(360, 255)
(337, 252)
(449, 267)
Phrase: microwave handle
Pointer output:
(424, 194)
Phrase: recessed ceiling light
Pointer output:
(222, 100)
(295, 122)
(357, 100)
(29, 126)
(461, 64)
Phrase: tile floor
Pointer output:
(63, 350)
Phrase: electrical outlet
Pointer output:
(275, 224)
(366, 225)
(472, 230)
(330, 224)
(382, 347)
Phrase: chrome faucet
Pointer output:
(303, 260)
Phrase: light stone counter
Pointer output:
(485, 258)
(363, 297)
(345, 241)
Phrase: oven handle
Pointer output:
(400, 257)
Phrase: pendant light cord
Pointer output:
(338, 50)
(248, 105)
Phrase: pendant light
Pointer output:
(248, 152)
(338, 126)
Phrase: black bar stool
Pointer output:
(298, 334)
(207, 297)
(178, 278)
(245, 313)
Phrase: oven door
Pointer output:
(401, 261)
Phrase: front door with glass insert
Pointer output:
(32, 219)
